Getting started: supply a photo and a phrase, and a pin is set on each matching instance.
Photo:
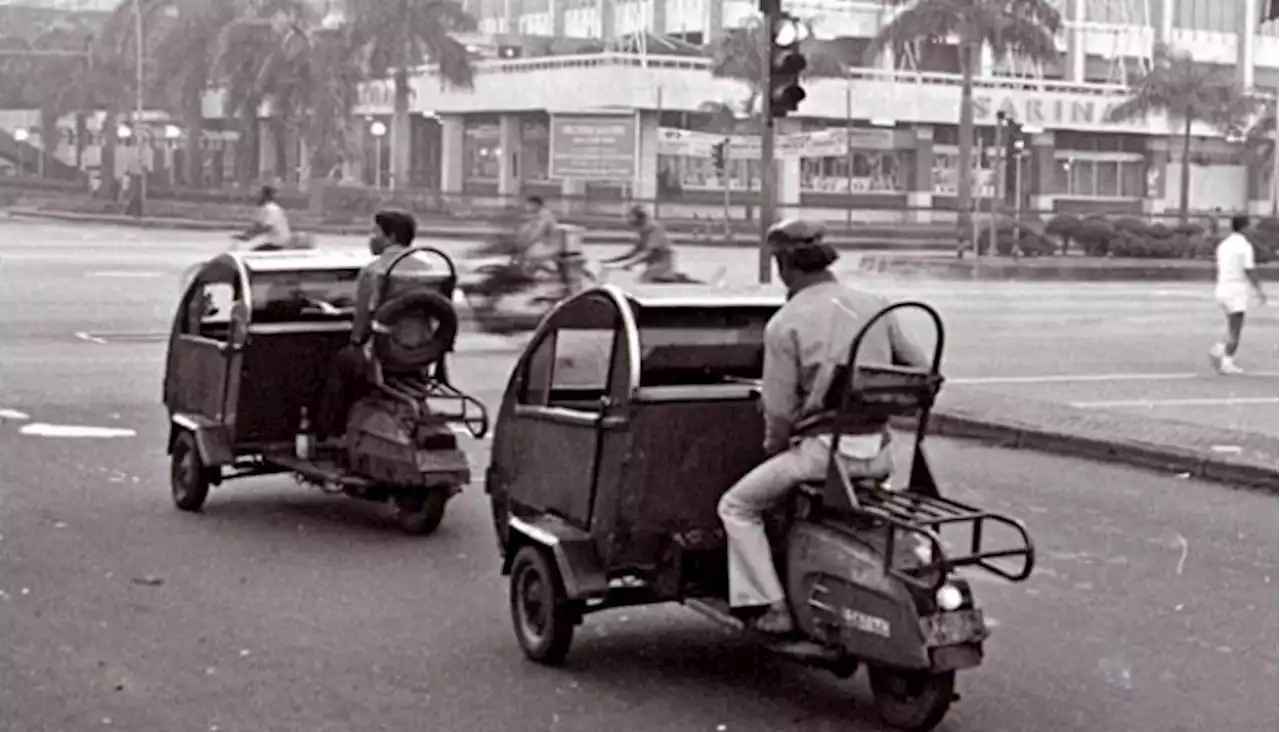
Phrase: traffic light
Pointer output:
(786, 63)
(718, 152)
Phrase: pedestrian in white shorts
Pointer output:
(1237, 280)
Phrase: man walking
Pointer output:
(1237, 279)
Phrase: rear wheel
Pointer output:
(188, 475)
(915, 702)
(419, 513)
(540, 610)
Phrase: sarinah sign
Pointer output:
(1049, 111)
(593, 147)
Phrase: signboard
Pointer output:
(1050, 111)
(829, 143)
(593, 147)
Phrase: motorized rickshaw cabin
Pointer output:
(253, 341)
(626, 419)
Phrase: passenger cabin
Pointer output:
(631, 415)
(297, 308)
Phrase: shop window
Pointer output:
(872, 172)
(1085, 178)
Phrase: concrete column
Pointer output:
(1162, 20)
(510, 22)
(574, 191)
(715, 19)
(1246, 44)
(605, 12)
(557, 8)
(787, 174)
(452, 141)
(1076, 55)
(266, 150)
(1040, 171)
(1261, 182)
(645, 185)
(1157, 175)
(920, 197)
(509, 145)
(658, 17)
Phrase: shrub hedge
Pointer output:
(1131, 237)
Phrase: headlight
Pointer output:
(949, 598)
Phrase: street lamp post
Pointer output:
(378, 130)
(21, 136)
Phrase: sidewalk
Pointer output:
(476, 232)
(1071, 268)
(1241, 459)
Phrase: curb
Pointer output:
(1236, 473)
(473, 233)
(1005, 270)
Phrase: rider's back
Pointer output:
(821, 321)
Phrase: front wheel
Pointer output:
(419, 513)
(912, 701)
(188, 475)
(540, 610)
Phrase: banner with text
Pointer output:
(829, 143)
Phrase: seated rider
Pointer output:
(271, 224)
(393, 233)
(806, 344)
(538, 247)
(653, 250)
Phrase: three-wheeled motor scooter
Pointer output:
(657, 400)
(252, 345)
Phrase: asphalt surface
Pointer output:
(1153, 608)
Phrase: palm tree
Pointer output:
(185, 46)
(1261, 141)
(56, 85)
(1187, 92)
(307, 74)
(399, 35)
(1021, 28)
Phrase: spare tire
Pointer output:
(392, 352)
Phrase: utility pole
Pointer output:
(780, 94)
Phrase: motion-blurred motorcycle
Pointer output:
(507, 295)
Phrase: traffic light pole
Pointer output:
(767, 197)
(767, 168)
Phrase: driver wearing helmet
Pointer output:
(806, 345)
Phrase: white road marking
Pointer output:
(1223, 401)
(14, 415)
(40, 429)
(1093, 378)
(126, 274)
(89, 338)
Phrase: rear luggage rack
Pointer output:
(924, 516)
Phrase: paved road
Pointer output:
(1121, 346)
(280, 609)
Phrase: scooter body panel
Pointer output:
(841, 596)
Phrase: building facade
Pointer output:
(626, 123)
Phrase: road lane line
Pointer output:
(125, 274)
(1093, 378)
(1223, 401)
(90, 338)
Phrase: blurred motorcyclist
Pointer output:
(653, 250)
(271, 226)
(538, 245)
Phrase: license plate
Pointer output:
(948, 629)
